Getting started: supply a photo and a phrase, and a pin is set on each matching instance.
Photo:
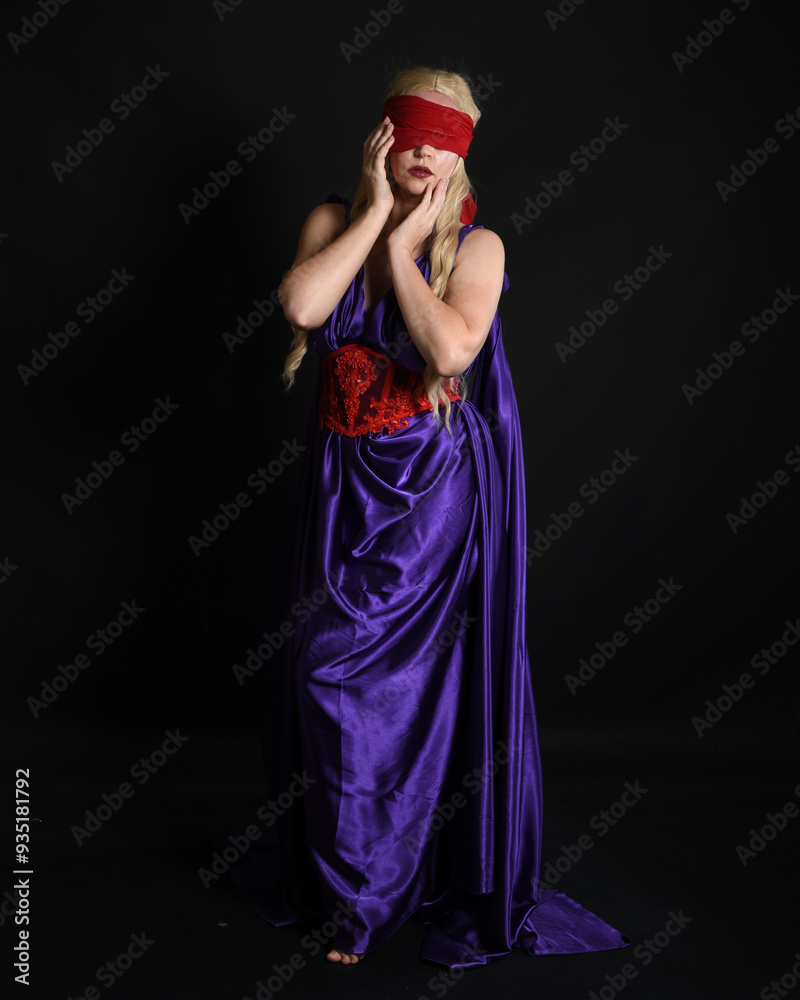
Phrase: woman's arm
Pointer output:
(448, 332)
(328, 258)
(329, 255)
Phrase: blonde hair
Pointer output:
(442, 244)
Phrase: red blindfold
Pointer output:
(418, 122)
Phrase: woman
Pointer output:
(403, 695)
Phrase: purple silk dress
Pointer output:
(400, 717)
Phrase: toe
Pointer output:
(345, 957)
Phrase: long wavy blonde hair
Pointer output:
(442, 244)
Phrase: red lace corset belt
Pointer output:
(364, 392)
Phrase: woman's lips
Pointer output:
(420, 172)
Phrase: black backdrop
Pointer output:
(683, 106)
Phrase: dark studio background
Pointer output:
(545, 93)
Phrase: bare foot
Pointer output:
(346, 958)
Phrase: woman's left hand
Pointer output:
(418, 224)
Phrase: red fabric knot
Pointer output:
(468, 210)
(365, 392)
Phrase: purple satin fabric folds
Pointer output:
(400, 717)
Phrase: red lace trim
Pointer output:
(364, 392)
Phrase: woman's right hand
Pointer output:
(376, 148)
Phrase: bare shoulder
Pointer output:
(329, 214)
(476, 281)
(480, 261)
(481, 248)
(323, 225)
(484, 238)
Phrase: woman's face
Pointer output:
(414, 169)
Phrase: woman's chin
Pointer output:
(412, 187)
